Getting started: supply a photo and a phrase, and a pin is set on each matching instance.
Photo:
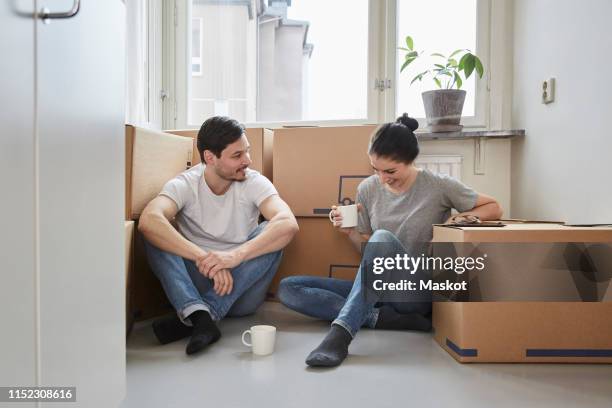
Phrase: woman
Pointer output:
(397, 206)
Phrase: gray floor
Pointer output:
(384, 369)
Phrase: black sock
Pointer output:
(205, 332)
(332, 350)
(170, 328)
(389, 319)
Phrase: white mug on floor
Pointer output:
(349, 215)
(262, 339)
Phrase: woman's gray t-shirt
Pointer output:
(410, 215)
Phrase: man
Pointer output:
(222, 262)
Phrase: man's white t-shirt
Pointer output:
(217, 222)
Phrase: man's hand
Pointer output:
(214, 261)
(223, 282)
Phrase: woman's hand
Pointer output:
(336, 217)
(463, 219)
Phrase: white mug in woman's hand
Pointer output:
(348, 214)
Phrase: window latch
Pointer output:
(382, 84)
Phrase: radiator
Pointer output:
(449, 165)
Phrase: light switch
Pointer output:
(548, 90)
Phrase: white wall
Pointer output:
(563, 168)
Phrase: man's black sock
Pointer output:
(332, 350)
(389, 319)
(170, 328)
(205, 332)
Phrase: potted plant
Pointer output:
(444, 105)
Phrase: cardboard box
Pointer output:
(531, 262)
(148, 298)
(522, 232)
(316, 167)
(534, 332)
(317, 250)
(129, 250)
(568, 331)
(261, 147)
(152, 158)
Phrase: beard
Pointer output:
(233, 175)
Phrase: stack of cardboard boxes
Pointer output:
(315, 168)
(152, 158)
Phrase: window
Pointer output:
(277, 62)
(274, 61)
(439, 26)
(436, 26)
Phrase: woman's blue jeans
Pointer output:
(344, 302)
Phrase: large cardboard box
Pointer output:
(530, 262)
(516, 331)
(129, 261)
(316, 167)
(260, 140)
(148, 298)
(152, 158)
(317, 250)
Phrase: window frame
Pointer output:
(199, 59)
(153, 65)
(382, 44)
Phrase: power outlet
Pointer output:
(548, 90)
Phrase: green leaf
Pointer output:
(406, 63)
(478, 66)
(412, 54)
(409, 42)
(440, 66)
(418, 77)
(403, 48)
(435, 54)
(468, 65)
(452, 62)
(455, 53)
(458, 80)
(462, 62)
(437, 81)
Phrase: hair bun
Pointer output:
(409, 122)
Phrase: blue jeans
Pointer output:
(344, 302)
(188, 290)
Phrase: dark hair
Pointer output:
(216, 133)
(396, 140)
